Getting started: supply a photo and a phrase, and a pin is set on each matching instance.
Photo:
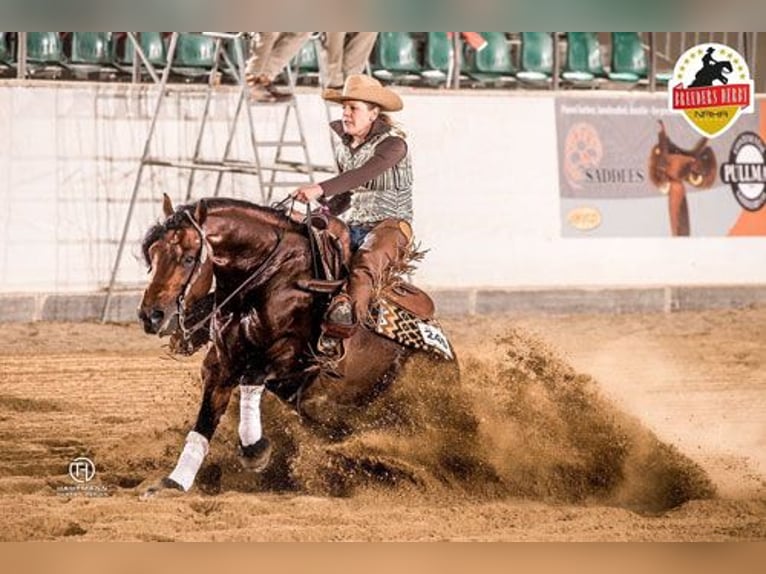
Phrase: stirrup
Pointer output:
(339, 321)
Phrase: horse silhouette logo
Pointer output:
(711, 87)
(711, 71)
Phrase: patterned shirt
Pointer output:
(378, 174)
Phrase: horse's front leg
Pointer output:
(215, 399)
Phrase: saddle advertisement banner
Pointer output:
(631, 167)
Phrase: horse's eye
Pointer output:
(188, 260)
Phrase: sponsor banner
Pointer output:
(632, 167)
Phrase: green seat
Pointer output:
(440, 52)
(583, 62)
(306, 59)
(44, 48)
(234, 45)
(628, 57)
(536, 56)
(91, 48)
(152, 45)
(306, 63)
(194, 55)
(395, 57)
(491, 63)
(6, 49)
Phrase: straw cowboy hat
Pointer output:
(367, 89)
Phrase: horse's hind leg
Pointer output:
(254, 448)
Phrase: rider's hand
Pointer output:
(308, 193)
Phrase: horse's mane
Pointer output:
(179, 219)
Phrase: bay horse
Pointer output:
(251, 260)
(708, 74)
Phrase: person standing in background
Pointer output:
(347, 54)
(270, 53)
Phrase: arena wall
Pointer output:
(487, 202)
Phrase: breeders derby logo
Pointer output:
(711, 87)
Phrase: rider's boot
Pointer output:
(384, 246)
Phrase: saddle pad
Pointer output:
(397, 324)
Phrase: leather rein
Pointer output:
(202, 256)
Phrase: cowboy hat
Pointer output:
(367, 89)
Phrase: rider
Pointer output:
(707, 59)
(373, 191)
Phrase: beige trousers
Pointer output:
(347, 53)
(272, 51)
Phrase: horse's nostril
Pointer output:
(151, 319)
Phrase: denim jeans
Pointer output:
(357, 236)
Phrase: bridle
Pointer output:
(201, 258)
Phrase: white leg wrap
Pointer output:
(250, 414)
(191, 458)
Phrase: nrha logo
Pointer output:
(711, 87)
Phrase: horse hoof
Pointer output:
(165, 488)
(256, 457)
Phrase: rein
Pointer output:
(187, 332)
(287, 205)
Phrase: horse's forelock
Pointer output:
(176, 221)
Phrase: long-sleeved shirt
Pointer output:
(388, 153)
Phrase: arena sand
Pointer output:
(588, 427)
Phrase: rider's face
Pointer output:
(358, 117)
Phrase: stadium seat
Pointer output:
(628, 58)
(91, 48)
(44, 48)
(45, 54)
(89, 53)
(493, 63)
(536, 56)
(439, 52)
(306, 62)
(583, 62)
(232, 46)
(396, 57)
(194, 56)
(151, 43)
(6, 50)
(439, 58)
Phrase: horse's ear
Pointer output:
(200, 212)
(167, 205)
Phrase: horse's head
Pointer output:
(181, 266)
